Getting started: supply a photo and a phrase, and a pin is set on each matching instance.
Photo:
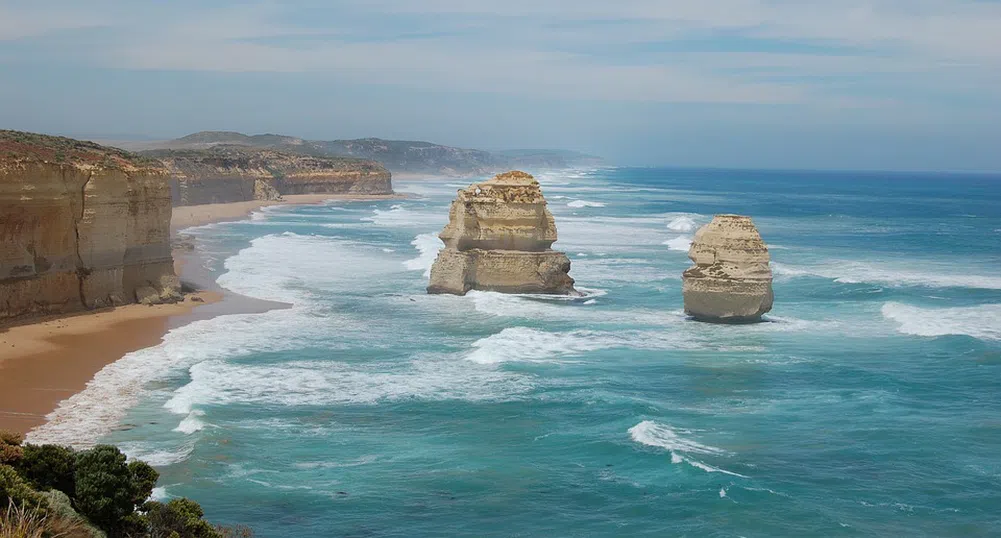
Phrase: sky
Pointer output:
(819, 84)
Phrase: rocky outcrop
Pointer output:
(81, 226)
(731, 281)
(222, 174)
(499, 238)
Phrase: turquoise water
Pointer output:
(867, 405)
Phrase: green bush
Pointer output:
(108, 490)
(49, 467)
(179, 517)
(15, 490)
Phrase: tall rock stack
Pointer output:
(731, 281)
(499, 238)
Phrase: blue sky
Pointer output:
(850, 84)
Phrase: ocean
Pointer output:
(867, 404)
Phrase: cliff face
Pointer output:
(731, 281)
(81, 226)
(498, 238)
(224, 174)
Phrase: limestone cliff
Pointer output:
(498, 238)
(81, 226)
(731, 281)
(223, 174)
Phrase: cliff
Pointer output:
(224, 173)
(406, 156)
(81, 226)
(731, 281)
(499, 238)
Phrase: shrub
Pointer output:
(108, 490)
(49, 467)
(179, 517)
(14, 490)
(10, 447)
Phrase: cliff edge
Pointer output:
(731, 281)
(82, 226)
(499, 238)
(223, 174)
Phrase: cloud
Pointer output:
(858, 53)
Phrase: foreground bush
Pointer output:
(49, 467)
(15, 491)
(108, 490)
(90, 494)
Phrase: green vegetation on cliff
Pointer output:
(19, 146)
(50, 491)
(397, 155)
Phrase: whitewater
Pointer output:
(865, 405)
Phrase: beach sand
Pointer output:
(198, 215)
(48, 360)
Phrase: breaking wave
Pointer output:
(650, 433)
(578, 204)
(982, 322)
(862, 272)
(428, 245)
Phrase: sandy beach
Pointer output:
(199, 215)
(47, 360)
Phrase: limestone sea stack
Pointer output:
(731, 281)
(499, 238)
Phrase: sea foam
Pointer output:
(681, 243)
(684, 223)
(578, 204)
(650, 433)
(531, 345)
(845, 272)
(428, 245)
(982, 322)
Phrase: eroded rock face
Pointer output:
(499, 238)
(81, 226)
(223, 174)
(731, 281)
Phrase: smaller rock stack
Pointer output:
(731, 281)
(499, 238)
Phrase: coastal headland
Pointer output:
(45, 360)
(91, 264)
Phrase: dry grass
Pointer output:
(18, 522)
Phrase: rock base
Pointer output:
(458, 272)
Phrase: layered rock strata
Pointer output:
(731, 281)
(81, 226)
(499, 238)
(223, 174)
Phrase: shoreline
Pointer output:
(200, 215)
(45, 361)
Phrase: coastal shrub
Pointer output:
(179, 517)
(15, 490)
(10, 447)
(108, 490)
(49, 467)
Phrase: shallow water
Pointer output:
(867, 404)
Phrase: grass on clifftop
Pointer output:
(34, 147)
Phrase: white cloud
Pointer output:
(576, 49)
